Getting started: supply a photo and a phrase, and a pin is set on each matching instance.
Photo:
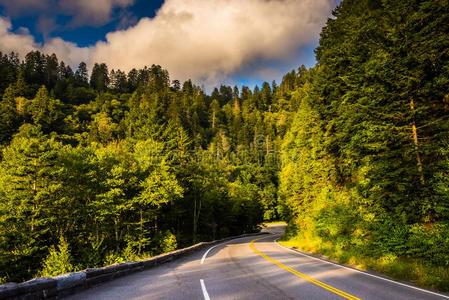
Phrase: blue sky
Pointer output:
(212, 42)
(82, 35)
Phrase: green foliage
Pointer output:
(113, 258)
(9, 116)
(57, 261)
(30, 188)
(363, 173)
(129, 254)
(46, 111)
(126, 166)
(166, 242)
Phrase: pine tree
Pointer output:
(99, 78)
(9, 117)
(46, 111)
(29, 188)
(81, 75)
(57, 261)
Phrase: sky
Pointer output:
(212, 42)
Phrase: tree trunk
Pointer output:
(116, 234)
(196, 217)
(194, 220)
(416, 143)
(268, 144)
(141, 231)
(34, 196)
(155, 224)
(214, 230)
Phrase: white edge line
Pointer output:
(355, 270)
(207, 252)
(203, 287)
(224, 243)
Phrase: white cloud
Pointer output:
(212, 39)
(14, 8)
(68, 52)
(92, 12)
(83, 12)
(202, 39)
(23, 42)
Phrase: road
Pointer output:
(253, 268)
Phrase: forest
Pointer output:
(118, 166)
(366, 179)
(354, 153)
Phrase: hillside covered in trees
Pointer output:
(366, 178)
(119, 166)
(353, 152)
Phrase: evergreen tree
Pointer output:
(29, 188)
(46, 111)
(363, 149)
(81, 75)
(9, 117)
(57, 261)
(99, 78)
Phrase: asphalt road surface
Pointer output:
(253, 268)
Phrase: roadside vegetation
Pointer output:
(403, 268)
(353, 153)
(365, 174)
(112, 167)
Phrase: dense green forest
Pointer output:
(366, 173)
(353, 153)
(116, 166)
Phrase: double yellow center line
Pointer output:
(301, 275)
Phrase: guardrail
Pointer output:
(71, 283)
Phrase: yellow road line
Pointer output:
(301, 275)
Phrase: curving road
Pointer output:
(253, 268)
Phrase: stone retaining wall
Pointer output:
(70, 283)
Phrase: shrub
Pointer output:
(58, 260)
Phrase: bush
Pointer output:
(166, 242)
(129, 253)
(113, 258)
(57, 261)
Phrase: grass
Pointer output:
(407, 269)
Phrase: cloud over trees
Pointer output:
(199, 39)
